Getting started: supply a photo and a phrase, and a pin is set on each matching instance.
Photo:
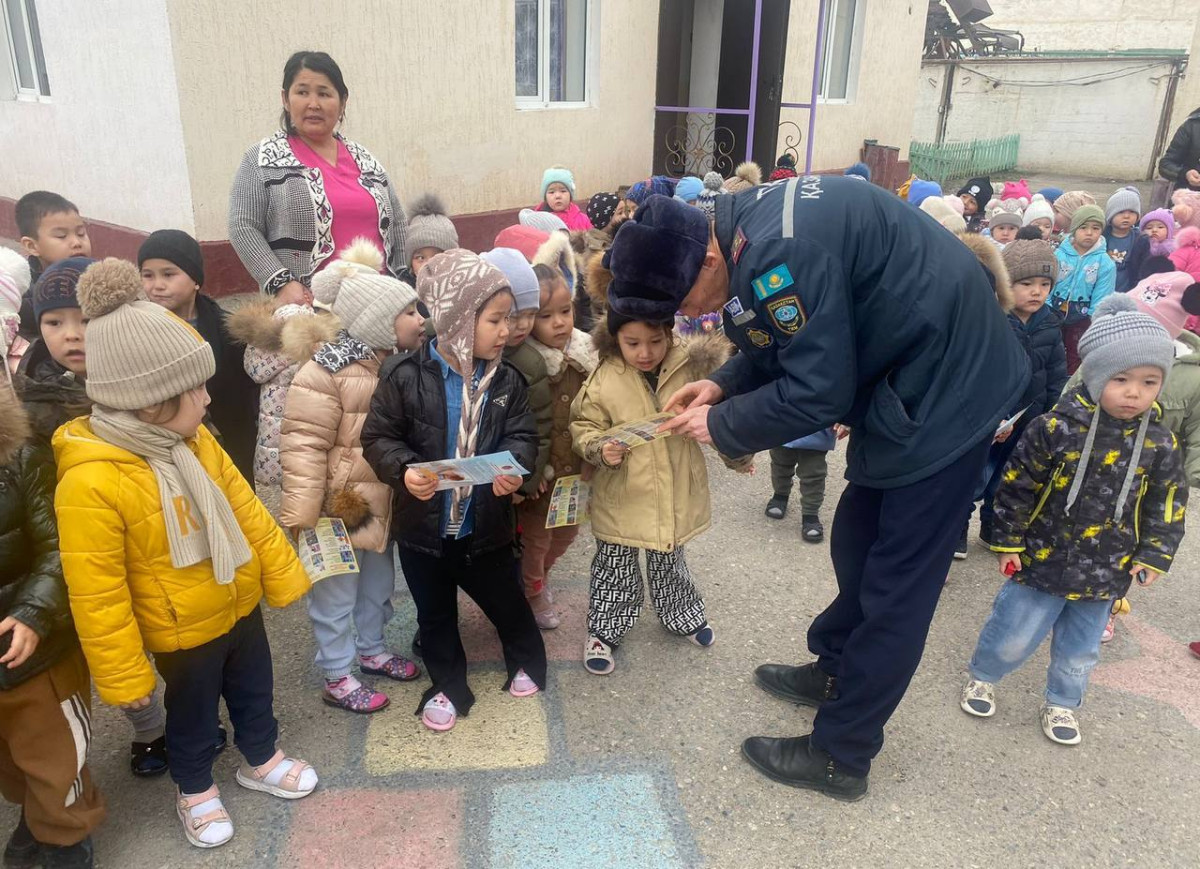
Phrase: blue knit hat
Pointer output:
(655, 259)
(920, 190)
(55, 288)
(688, 188)
(641, 191)
(862, 170)
(558, 175)
(1051, 193)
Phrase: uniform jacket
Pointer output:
(566, 372)
(1087, 555)
(1083, 280)
(32, 589)
(532, 367)
(126, 597)
(281, 221)
(407, 424)
(1180, 402)
(262, 331)
(1042, 339)
(1186, 256)
(234, 407)
(658, 497)
(1183, 153)
(867, 313)
(324, 472)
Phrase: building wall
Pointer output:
(110, 137)
(1104, 129)
(1097, 25)
(882, 105)
(431, 95)
(1187, 97)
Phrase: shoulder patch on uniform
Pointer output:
(738, 246)
(733, 307)
(759, 338)
(774, 281)
(787, 313)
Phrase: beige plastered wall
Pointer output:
(882, 104)
(431, 95)
(1097, 25)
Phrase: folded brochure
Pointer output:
(642, 431)
(568, 502)
(452, 473)
(326, 550)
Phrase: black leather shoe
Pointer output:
(794, 762)
(68, 856)
(21, 852)
(808, 685)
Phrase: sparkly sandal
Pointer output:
(396, 667)
(209, 828)
(290, 784)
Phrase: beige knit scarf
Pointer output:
(200, 522)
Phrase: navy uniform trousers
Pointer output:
(891, 550)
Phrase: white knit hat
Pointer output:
(1038, 208)
(366, 301)
(14, 279)
(139, 354)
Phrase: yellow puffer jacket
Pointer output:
(126, 597)
(658, 498)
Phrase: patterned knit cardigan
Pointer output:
(281, 221)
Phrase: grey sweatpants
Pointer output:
(810, 468)
(365, 597)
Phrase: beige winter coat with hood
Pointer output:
(324, 473)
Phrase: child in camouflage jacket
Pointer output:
(1093, 496)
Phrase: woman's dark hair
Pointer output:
(316, 61)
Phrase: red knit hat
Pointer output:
(526, 239)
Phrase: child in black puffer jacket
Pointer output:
(45, 693)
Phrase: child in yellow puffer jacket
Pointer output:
(166, 550)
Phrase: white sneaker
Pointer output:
(978, 699)
(1060, 725)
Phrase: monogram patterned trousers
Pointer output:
(617, 593)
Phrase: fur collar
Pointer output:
(989, 257)
(580, 353)
(14, 425)
(707, 351)
(301, 337)
(259, 324)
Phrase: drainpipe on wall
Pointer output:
(944, 106)
(1164, 119)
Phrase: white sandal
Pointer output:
(205, 821)
(598, 657)
(291, 784)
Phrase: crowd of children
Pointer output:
(162, 550)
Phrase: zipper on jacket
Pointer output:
(1049, 490)
(1137, 509)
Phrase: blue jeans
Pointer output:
(1021, 617)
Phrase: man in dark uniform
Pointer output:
(848, 306)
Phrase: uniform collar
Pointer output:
(725, 226)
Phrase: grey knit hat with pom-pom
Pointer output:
(1120, 338)
(713, 187)
(366, 301)
(428, 226)
(139, 354)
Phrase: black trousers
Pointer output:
(236, 666)
(891, 551)
(488, 580)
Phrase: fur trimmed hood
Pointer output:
(708, 351)
(15, 430)
(301, 337)
(557, 253)
(988, 254)
(260, 324)
(598, 279)
(1189, 236)
(580, 352)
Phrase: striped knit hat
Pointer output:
(139, 354)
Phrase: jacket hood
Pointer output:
(301, 337)
(14, 425)
(556, 252)
(1068, 248)
(989, 257)
(75, 444)
(260, 324)
(1189, 236)
(598, 279)
(708, 351)
(1192, 341)
(579, 351)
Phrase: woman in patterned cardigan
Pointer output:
(305, 193)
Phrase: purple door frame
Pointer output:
(818, 54)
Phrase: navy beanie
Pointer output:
(655, 259)
(175, 246)
(55, 288)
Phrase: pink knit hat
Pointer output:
(1016, 190)
(1169, 297)
(526, 239)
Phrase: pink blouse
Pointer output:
(355, 214)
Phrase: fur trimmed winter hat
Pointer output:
(1039, 208)
(1125, 199)
(521, 279)
(546, 221)
(1185, 205)
(57, 287)
(1085, 213)
(1030, 259)
(655, 259)
(139, 354)
(1170, 298)
(14, 279)
(558, 175)
(428, 226)
(366, 301)
(745, 176)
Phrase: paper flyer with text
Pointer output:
(642, 431)
(452, 473)
(568, 502)
(326, 550)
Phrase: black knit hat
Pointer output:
(176, 246)
(600, 209)
(981, 189)
(55, 288)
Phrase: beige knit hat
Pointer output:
(139, 354)
(366, 301)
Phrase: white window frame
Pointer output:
(542, 100)
(856, 33)
(33, 94)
